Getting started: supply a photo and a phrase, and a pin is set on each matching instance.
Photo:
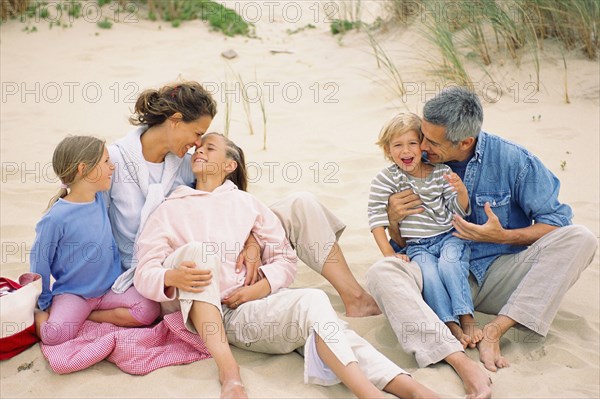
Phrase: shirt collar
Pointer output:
(480, 146)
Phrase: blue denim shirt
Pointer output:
(520, 190)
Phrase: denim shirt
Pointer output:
(520, 190)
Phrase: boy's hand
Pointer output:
(455, 181)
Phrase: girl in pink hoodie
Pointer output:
(205, 229)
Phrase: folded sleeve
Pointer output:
(537, 191)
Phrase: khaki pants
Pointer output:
(310, 227)
(281, 322)
(527, 287)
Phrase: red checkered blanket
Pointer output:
(134, 350)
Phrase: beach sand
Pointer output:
(326, 101)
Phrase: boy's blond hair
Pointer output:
(400, 124)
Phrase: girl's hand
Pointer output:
(250, 256)
(187, 278)
(247, 294)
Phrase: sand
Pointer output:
(325, 103)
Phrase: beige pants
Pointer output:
(281, 322)
(527, 287)
(310, 227)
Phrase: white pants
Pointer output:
(283, 322)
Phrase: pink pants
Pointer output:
(68, 312)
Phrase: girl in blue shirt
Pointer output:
(74, 244)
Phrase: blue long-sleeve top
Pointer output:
(74, 244)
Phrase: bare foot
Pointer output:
(39, 317)
(362, 306)
(470, 328)
(233, 388)
(459, 334)
(476, 382)
(489, 348)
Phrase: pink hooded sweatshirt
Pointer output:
(222, 221)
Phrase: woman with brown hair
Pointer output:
(153, 160)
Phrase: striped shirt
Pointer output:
(439, 201)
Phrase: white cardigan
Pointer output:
(131, 198)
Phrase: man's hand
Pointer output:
(247, 294)
(250, 256)
(187, 278)
(491, 231)
(402, 257)
(402, 204)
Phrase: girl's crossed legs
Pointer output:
(68, 313)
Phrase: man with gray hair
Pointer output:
(525, 253)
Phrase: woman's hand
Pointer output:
(246, 294)
(250, 256)
(187, 278)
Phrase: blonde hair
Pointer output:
(69, 154)
(400, 124)
(190, 99)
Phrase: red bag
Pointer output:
(17, 305)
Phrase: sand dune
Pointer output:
(320, 140)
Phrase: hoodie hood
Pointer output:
(185, 191)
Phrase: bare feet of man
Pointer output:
(489, 348)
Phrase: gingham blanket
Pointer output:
(134, 350)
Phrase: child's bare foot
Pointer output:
(233, 389)
(458, 332)
(470, 328)
(232, 386)
(362, 306)
(40, 317)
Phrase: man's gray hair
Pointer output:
(457, 109)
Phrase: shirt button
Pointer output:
(494, 203)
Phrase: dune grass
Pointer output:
(219, 17)
(518, 27)
(384, 61)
